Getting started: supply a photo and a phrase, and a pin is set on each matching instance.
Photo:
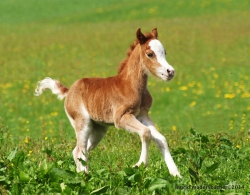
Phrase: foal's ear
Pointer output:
(141, 38)
(155, 33)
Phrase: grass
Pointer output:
(207, 42)
(45, 166)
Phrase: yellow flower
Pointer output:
(174, 128)
(26, 86)
(54, 113)
(245, 95)
(26, 140)
(215, 75)
(242, 86)
(183, 88)
(229, 96)
(5, 86)
(152, 10)
(199, 84)
(191, 84)
(167, 89)
(192, 104)
(238, 146)
(30, 152)
(99, 10)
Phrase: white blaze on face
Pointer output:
(165, 71)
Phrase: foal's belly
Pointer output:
(106, 117)
(104, 124)
(101, 115)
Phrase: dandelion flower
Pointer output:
(54, 113)
(192, 104)
(229, 96)
(215, 75)
(26, 140)
(183, 88)
(167, 89)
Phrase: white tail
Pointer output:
(55, 86)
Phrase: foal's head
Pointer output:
(153, 55)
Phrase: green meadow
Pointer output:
(204, 112)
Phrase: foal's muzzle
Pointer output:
(170, 73)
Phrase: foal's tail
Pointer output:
(55, 86)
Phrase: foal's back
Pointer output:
(99, 98)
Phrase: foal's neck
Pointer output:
(134, 71)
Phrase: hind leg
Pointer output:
(83, 130)
(96, 136)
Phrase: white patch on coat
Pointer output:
(166, 68)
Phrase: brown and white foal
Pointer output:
(93, 104)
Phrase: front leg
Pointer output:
(161, 143)
(130, 123)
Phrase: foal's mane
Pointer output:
(131, 49)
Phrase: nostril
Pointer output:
(170, 72)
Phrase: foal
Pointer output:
(93, 104)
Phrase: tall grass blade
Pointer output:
(211, 168)
(12, 154)
(100, 190)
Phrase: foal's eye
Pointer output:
(150, 55)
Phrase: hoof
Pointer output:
(139, 164)
(136, 165)
(82, 169)
(175, 173)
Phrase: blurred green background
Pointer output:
(207, 42)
